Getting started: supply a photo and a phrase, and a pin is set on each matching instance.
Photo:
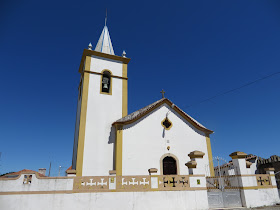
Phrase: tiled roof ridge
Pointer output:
(141, 112)
(138, 112)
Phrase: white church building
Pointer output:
(157, 157)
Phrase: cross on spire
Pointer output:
(162, 92)
(106, 17)
(104, 43)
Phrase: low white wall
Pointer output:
(110, 200)
(261, 197)
(43, 184)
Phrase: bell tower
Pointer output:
(102, 100)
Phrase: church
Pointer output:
(158, 137)
(157, 157)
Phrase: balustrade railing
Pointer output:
(234, 181)
(134, 183)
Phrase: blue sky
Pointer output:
(192, 49)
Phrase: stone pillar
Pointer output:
(255, 190)
(42, 171)
(152, 171)
(154, 177)
(240, 168)
(270, 171)
(197, 177)
(196, 165)
(71, 172)
(239, 163)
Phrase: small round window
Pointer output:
(166, 123)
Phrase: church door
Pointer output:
(169, 166)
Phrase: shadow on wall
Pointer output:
(111, 140)
(112, 136)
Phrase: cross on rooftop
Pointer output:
(162, 92)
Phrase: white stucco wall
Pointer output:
(112, 200)
(253, 167)
(102, 111)
(145, 142)
(43, 184)
(260, 197)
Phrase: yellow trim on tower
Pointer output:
(124, 90)
(118, 148)
(102, 55)
(83, 115)
(210, 157)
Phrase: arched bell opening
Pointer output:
(106, 82)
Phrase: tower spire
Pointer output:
(104, 43)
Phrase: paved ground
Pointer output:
(266, 208)
(257, 208)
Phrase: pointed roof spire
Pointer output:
(104, 43)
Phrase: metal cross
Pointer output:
(174, 182)
(261, 180)
(183, 181)
(162, 92)
(106, 17)
(164, 182)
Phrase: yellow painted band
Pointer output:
(119, 142)
(124, 90)
(98, 73)
(102, 55)
(210, 156)
(257, 187)
(83, 115)
(243, 175)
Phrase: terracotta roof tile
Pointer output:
(22, 171)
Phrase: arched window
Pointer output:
(169, 166)
(106, 82)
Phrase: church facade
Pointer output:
(107, 140)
